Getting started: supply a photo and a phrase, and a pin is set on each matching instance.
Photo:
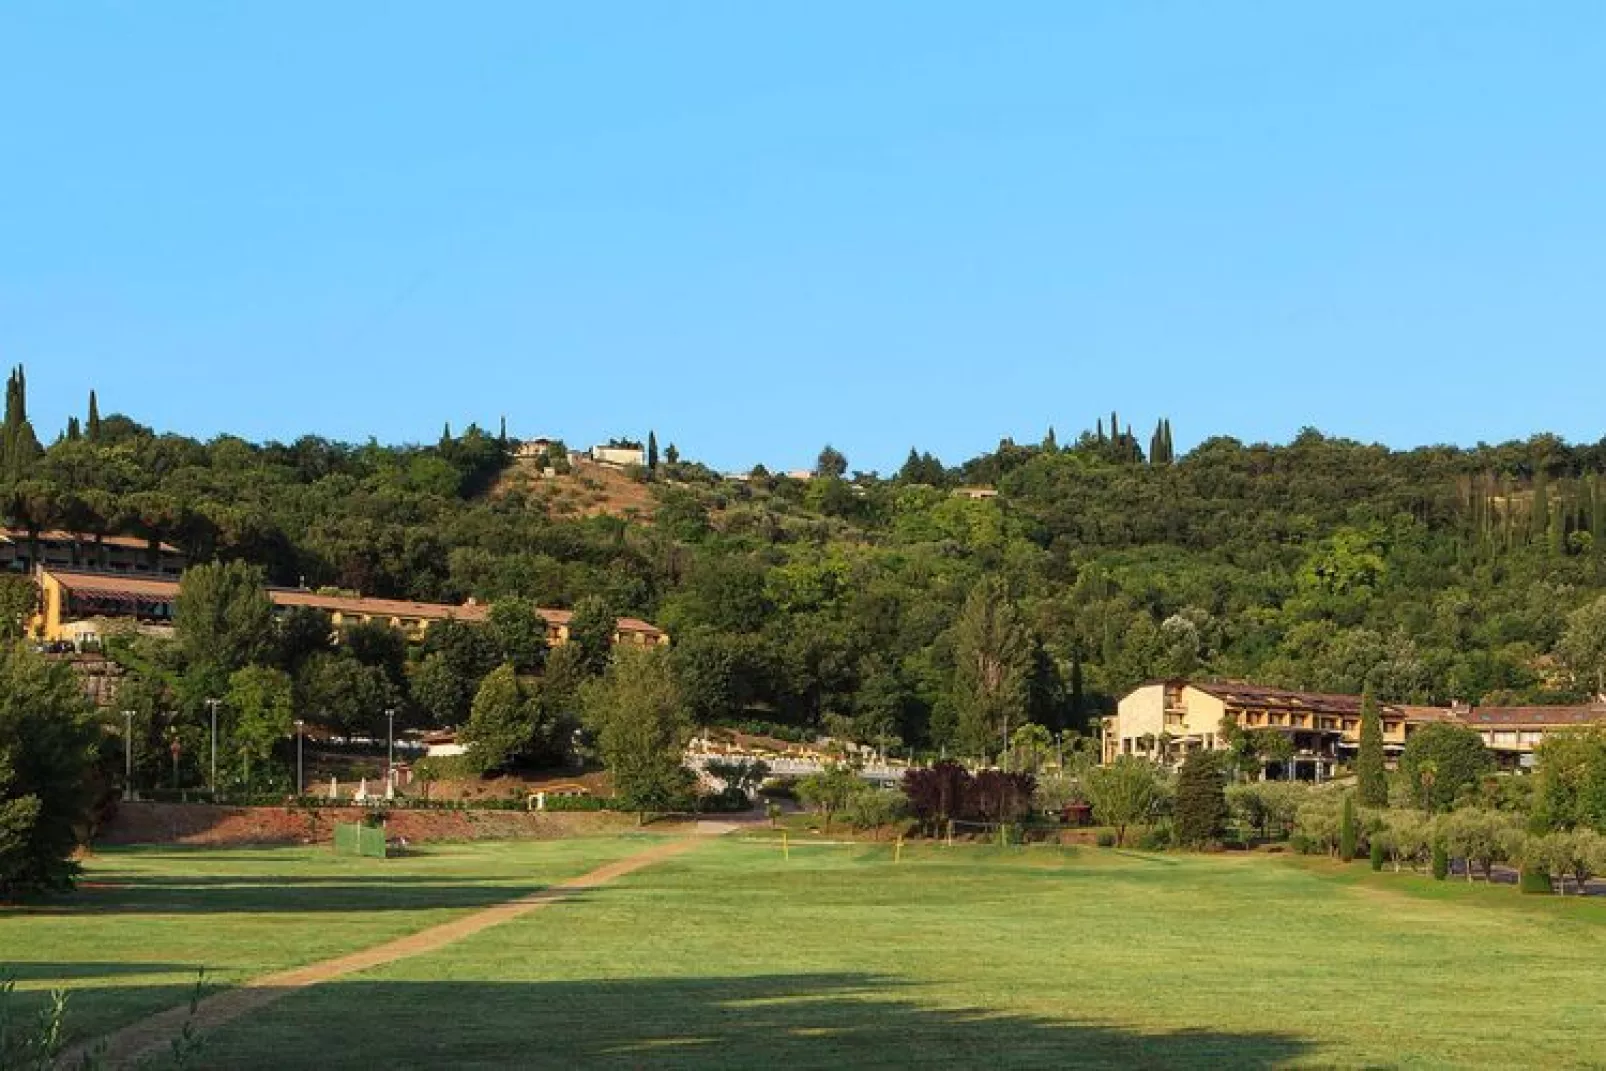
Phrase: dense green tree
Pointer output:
(380, 645)
(1201, 806)
(18, 598)
(1371, 777)
(223, 620)
(520, 633)
(1442, 760)
(441, 693)
(501, 725)
(299, 633)
(1123, 793)
(992, 656)
(92, 425)
(1570, 779)
(831, 791)
(591, 632)
(344, 695)
(47, 749)
(652, 452)
(831, 463)
(1583, 645)
(641, 727)
(261, 702)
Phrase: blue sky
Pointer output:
(758, 227)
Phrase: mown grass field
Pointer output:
(733, 957)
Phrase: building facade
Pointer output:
(1164, 721)
(22, 552)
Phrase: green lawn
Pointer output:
(145, 920)
(732, 957)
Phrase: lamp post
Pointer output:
(390, 746)
(299, 737)
(128, 754)
(213, 704)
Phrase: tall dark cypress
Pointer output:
(92, 427)
(652, 451)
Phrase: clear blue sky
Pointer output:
(758, 227)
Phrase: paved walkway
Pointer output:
(149, 1036)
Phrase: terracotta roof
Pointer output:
(56, 535)
(1244, 694)
(356, 604)
(1538, 717)
(117, 585)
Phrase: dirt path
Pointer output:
(145, 1038)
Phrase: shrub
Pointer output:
(1105, 839)
(1481, 838)
(873, 808)
(1441, 861)
(1377, 853)
(1125, 792)
(1157, 838)
(1266, 809)
(1535, 880)
(1346, 830)
(1319, 820)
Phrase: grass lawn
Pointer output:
(731, 957)
(145, 920)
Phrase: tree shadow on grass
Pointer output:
(236, 894)
(790, 1021)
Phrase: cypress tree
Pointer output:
(1539, 509)
(1347, 835)
(74, 432)
(1050, 442)
(93, 425)
(1201, 800)
(501, 434)
(1441, 861)
(1369, 774)
(1375, 853)
(652, 451)
(1157, 445)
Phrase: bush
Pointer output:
(876, 807)
(1157, 838)
(1320, 821)
(1441, 861)
(1378, 853)
(1535, 880)
(1266, 809)
(1347, 832)
(1105, 839)
(779, 788)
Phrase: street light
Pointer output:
(128, 754)
(213, 704)
(299, 737)
(390, 747)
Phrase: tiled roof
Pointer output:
(116, 585)
(56, 535)
(1241, 693)
(1538, 717)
